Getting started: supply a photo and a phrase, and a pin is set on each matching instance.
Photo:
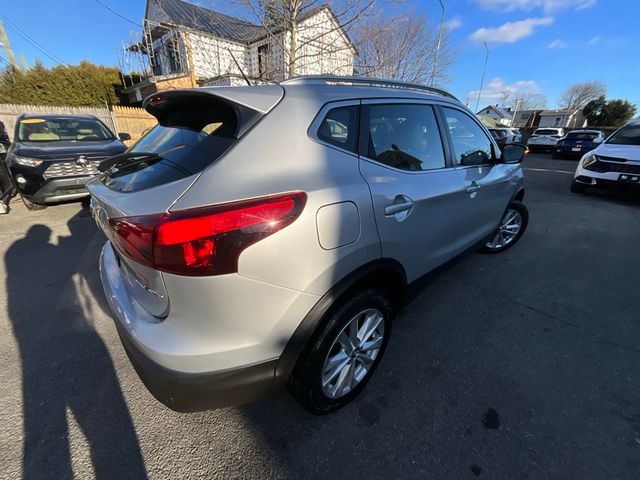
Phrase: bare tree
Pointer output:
(532, 101)
(289, 26)
(523, 100)
(579, 94)
(401, 48)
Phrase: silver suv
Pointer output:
(264, 236)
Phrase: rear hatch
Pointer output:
(195, 128)
(579, 140)
(548, 135)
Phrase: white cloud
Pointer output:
(496, 89)
(558, 43)
(529, 5)
(453, 23)
(510, 32)
(595, 40)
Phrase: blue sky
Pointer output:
(535, 45)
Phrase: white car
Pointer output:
(614, 162)
(544, 139)
(514, 135)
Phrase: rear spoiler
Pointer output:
(249, 103)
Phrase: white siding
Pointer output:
(211, 57)
(323, 47)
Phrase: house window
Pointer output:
(556, 122)
(524, 116)
(174, 61)
(264, 62)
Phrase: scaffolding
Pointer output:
(159, 49)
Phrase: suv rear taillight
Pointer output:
(204, 241)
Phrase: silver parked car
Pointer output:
(265, 236)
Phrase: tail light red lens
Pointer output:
(204, 241)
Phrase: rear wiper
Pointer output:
(121, 160)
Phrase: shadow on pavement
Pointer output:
(66, 369)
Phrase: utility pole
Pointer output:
(438, 45)
(484, 70)
(515, 111)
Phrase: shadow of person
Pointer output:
(66, 369)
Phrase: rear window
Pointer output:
(193, 132)
(546, 131)
(629, 135)
(588, 136)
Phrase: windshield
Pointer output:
(62, 130)
(588, 136)
(629, 135)
(546, 131)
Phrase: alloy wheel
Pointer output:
(353, 353)
(509, 228)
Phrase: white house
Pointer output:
(549, 118)
(503, 116)
(188, 45)
(562, 118)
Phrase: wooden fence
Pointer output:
(134, 121)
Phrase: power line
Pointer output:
(118, 14)
(24, 35)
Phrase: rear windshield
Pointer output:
(189, 138)
(588, 136)
(62, 129)
(546, 131)
(629, 135)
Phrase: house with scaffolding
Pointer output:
(183, 45)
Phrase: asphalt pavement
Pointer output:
(523, 365)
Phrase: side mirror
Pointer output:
(513, 153)
(124, 136)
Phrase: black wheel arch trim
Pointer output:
(518, 195)
(368, 274)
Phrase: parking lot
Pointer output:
(519, 365)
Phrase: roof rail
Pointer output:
(364, 81)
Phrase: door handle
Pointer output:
(473, 188)
(400, 204)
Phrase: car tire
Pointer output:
(520, 217)
(314, 383)
(31, 205)
(577, 187)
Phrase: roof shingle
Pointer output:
(203, 19)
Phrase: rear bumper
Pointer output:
(191, 361)
(568, 152)
(541, 146)
(184, 392)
